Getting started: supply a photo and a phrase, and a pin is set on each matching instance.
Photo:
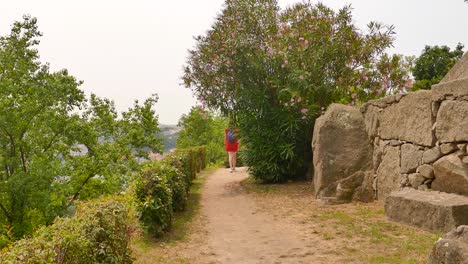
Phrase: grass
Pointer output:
(396, 243)
(150, 250)
(361, 230)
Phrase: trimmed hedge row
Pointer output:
(163, 187)
(98, 233)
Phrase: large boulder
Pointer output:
(430, 210)
(451, 175)
(342, 154)
(452, 121)
(388, 173)
(452, 248)
(409, 120)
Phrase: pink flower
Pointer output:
(409, 84)
(304, 111)
(301, 77)
(270, 51)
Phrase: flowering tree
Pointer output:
(274, 70)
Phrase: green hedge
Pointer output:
(153, 200)
(97, 233)
(163, 187)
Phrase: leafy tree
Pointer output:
(55, 146)
(274, 70)
(433, 64)
(34, 128)
(202, 128)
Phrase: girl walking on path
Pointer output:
(231, 144)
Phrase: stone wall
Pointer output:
(420, 139)
(416, 140)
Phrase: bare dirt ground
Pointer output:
(241, 221)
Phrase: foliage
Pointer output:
(272, 71)
(433, 64)
(203, 128)
(177, 182)
(162, 188)
(56, 146)
(153, 197)
(97, 233)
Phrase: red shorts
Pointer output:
(231, 147)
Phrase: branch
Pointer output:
(79, 189)
(50, 143)
(10, 219)
(23, 160)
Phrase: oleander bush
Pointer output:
(98, 232)
(273, 70)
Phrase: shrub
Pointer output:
(177, 182)
(177, 160)
(163, 186)
(97, 233)
(153, 201)
(189, 161)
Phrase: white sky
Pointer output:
(126, 50)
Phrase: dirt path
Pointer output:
(239, 233)
(242, 222)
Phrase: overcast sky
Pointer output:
(126, 50)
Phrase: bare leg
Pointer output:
(230, 154)
(234, 160)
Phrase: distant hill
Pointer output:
(169, 134)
